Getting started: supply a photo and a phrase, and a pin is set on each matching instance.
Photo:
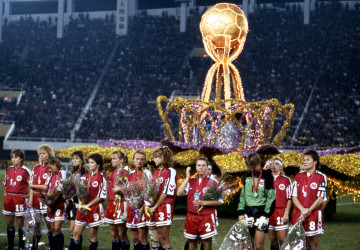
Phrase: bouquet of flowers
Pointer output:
(238, 238)
(121, 178)
(134, 194)
(219, 189)
(82, 192)
(296, 238)
(69, 188)
(151, 193)
(32, 225)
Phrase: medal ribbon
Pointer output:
(258, 181)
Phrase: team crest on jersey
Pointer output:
(45, 176)
(161, 180)
(205, 189)
(95, 184)
(282, 186)
(313, 185)
(19, 178)
(261, 183)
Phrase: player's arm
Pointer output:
(241, 206)
(287, 211)
(181, 190)
(212, 203)
(95, 201)
(40, 187)
(319, 201)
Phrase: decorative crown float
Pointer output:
(228, 121)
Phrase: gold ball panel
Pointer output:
(224, 19)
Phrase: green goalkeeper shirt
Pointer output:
(265, 193)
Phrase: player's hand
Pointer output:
(286, 218)
(116, 189)
(262, 223)
(249, 221)
(188, 169)
(306, 212)
(198, 203)
(152, 210)
(241, 218)
(301, 217)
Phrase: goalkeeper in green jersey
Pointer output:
(257, 200)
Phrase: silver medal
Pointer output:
(255, 194)
(305, 194)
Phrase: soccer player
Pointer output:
(116, 209)
(257, 199)
(137, 225)
(56, 206)
(39, 176)
(16, 183)
(96, 196)
(309, 191)
(279, 220)
(78, 168)
(199, 223)
(163, 210)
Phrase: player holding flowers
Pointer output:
(309, 192)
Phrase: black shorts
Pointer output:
(255, 212)
(71, 212)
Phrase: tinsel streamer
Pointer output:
(348, 164)
(338, 189)
(233, 162)
(187, 157)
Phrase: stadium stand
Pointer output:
(282, 59)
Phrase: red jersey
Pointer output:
(16, 180)
(54, 182)
(167, 178)
(112, 181)
(194, 187)
(96, 185)
(282, 186)
(40, 174)
(307, 188)
(137, 176)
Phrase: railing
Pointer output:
(50, 139)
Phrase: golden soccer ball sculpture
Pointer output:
(224, 19)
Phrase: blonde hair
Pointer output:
(47, 148)
(141, 152)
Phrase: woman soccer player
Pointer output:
(162, 211)
(16, 184)
(96, 196)
(56, 206)
(137, 225)
(279, 220)
(39, 176)
(257, 199)
(116, 209)
(309, 191)
(78, 168)
(199, 223)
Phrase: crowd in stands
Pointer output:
(282, 59)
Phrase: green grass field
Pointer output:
(343, 232)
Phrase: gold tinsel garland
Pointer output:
(186, 157)
(348, 164)
(233, 162)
